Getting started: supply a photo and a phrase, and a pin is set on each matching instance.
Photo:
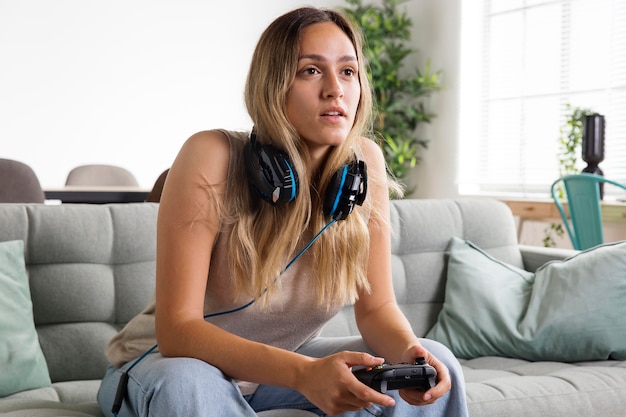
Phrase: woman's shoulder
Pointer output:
(216, 138)
(208, 155)
(371, 152)
(213, 145)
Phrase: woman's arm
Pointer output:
(188, 223)
(382, 324)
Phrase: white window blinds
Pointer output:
(522, 62)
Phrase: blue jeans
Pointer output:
(159, 386)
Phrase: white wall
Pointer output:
(437, 34)
(126, 82)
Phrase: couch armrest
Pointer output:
(535, 256)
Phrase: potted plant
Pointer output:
(399, 93)
(570, 140)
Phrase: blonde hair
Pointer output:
(264, 237)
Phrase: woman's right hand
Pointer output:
(330, 384)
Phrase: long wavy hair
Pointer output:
(264, 237)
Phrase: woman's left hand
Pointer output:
(417, 397)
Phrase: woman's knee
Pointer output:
(439, 350)
(445, 355)
(181, 386)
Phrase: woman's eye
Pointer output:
(349, 72)
(310, 71)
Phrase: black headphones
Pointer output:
(272, 177)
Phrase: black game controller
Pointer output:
(387, 377)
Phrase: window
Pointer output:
(522, 62)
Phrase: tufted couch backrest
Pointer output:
(92, 267)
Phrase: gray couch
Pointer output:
(91, 268)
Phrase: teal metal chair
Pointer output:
(584, 225)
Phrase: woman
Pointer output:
(243, 286)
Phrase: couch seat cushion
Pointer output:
(582, 389)
(24, 407)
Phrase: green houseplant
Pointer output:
(399, 93)
(570, 140)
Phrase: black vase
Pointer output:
(593, 145)
(593, 142)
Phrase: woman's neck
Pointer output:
(318, 155)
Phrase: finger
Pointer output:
(421, 352)
(443, 381)
(346, 401)
(367, 395)
(416, 397)
(361, 359)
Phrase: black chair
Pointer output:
(157, 188)
(19, 183)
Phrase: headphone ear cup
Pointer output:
(270, 173)
(347, 188)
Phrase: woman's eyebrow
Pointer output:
(317, 57)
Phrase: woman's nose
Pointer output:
(332, 87)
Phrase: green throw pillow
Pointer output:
(22, 363)
(571, 310)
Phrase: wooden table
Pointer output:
(97, 195)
